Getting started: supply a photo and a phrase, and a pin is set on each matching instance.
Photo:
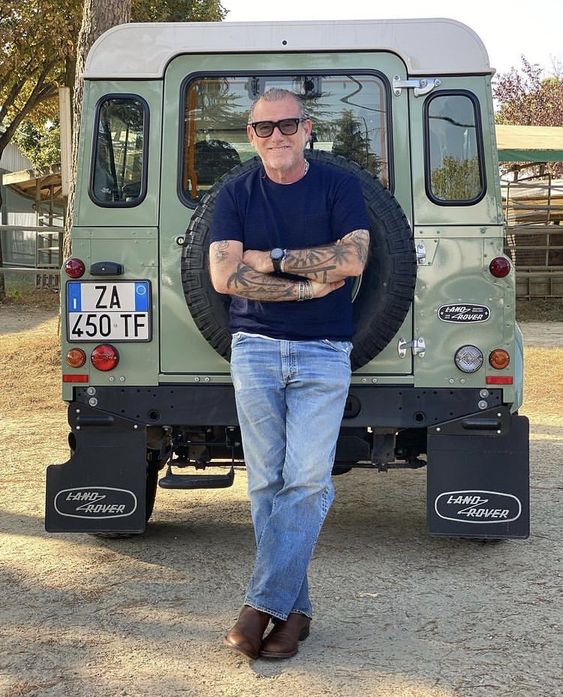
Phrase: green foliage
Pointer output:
(40, 143)
(526, 98)
(456, 180)
(177, 11)
(351, 142)
(38, 39)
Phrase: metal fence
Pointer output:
(36, 250)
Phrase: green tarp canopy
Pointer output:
(530, 143)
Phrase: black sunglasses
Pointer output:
(288, 127)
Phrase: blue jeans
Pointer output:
(290, 399)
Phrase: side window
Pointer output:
(349, 113)
(118, 175)
(454, 149)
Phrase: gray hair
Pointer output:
(276, 94)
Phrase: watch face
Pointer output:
(276, 254)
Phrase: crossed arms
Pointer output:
(249, 273)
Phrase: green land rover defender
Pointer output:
(406, 105)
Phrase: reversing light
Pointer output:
(499, 359)
(74, 268)
(75, 358)
(105, 357)
(500, 267)
(468, 359)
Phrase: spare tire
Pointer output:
(382, 297)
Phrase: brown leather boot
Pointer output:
(282, 641)
(246, 634)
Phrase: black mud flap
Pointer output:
(102, 488)
(478, 476)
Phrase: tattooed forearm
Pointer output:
(220, 251)
(359, 240)
(345, 258)
(248, 283)
(230, 275)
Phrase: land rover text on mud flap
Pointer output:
(406, 105)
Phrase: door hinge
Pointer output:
(421, 86)
(421, 253)
(417, 346)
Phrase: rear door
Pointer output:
(206, 103)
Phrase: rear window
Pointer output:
(118, 176)
(349, 114)
(454, 149)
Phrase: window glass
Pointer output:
(117, 176)
(454, 161)
(348, 114)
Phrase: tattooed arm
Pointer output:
(326, 264)
(231, 275)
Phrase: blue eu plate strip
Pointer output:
(74, 297)
(141, 296)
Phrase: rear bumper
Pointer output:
(477, 453)
(384, 406)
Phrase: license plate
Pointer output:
(103, 311)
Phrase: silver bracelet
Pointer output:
(308, 290)
(304, 291)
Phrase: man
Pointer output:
(285, 238)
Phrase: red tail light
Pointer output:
(500, 267)
(74, 268)
(105, 357)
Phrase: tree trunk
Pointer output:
(98, 16)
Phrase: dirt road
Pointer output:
(398, 614)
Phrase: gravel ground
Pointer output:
(397, 613)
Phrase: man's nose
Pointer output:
(276, 133)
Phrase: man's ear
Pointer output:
(250, 135)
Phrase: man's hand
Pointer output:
(259, 261)
(322, 289)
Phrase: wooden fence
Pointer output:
(534, 216)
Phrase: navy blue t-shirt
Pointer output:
(319, 209)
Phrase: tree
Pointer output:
(39, 43)
(456, 180)
(39, 52)
(40, 142)
(352, 142)
(177, 11)
(38, 39)
(526, 98)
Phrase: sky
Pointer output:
(508, 28)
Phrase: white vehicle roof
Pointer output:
(427, 46)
